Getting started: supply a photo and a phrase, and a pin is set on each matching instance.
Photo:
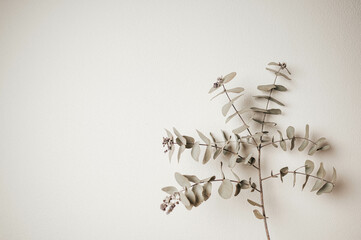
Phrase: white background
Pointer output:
(87, 88)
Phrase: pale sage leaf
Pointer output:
(253, 203)
(207, 190)
(258, 214)
(182, 180)
(290, 132)
(326, 188)
(170, 189)
(196, 150)
(229, 77)
(240, 129)
(225, 190)
(204, 138)
(309, 166)
(207, 154)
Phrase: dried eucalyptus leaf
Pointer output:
(321, 173)
(253, 203)
(280, 88)
(181, 138)
(204, 138)
(304, 185)
(169, 134)
(189, 141)
(309, 166)
(317, 185)
(180, 151)
(283, 145)
(292, 143)
(213, 138)
(312, 150)
(273, 142)
(305, 142)
(278, 73)
(283, 172)
(236, 113)
(266, 88)
(181, 180)
(273, 63)
(170, 189)
(196, 150)
(198, 192)
(184, 200)
(232, 161)
(208, 179)
(207, 154)
(190, 195)
(258, 214)
(226, 108)
(170, 153)
(326, 188)
(217, 153)
(228, 105)
(265, 123)
(240, 129)
(207, 190)
(244, 184)
(192, 178)
(274, 111)
(229, 77)
(236, 90)
(225, 190)
(324, 148)
(238, 189)
(290, 132)
(334, 176)
(269, 98)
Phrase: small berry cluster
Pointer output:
(170, 202)
(169, 143)
(218, 83)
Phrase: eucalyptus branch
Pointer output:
(199, 191)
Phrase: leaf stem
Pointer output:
(259, 164)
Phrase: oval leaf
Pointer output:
(326, 188)
(181, 180)
(225, 190)
(207, 154)
(229, 77)
(290, 132)
(170, 189)
(196, 151)
(258, 214)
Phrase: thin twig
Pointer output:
(259, 165)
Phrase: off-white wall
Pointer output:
(86, 88)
